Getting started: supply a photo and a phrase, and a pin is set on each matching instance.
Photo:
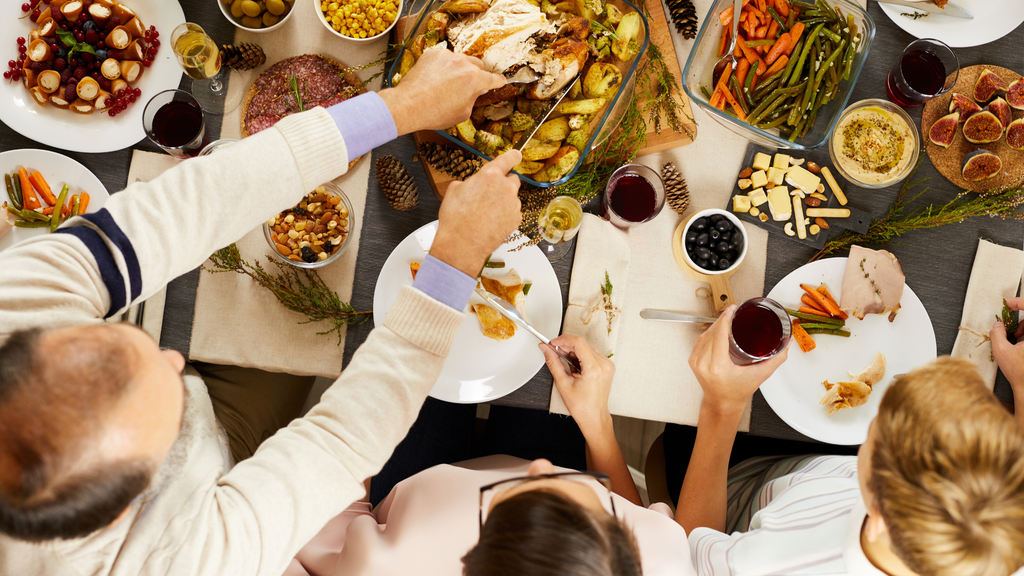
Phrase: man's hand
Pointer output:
(439, 91)
(478, 215)
(586, 394)
(727, 387)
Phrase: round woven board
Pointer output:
(949, 161)
(350, 79)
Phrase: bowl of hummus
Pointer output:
(875, 144)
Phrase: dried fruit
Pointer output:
(1001, 109)
(988, 85)
(813, 167)
(1015, 94)
(982, 128)
(821, 222)
(964, 105)
(746, 172)
(980, 165)
(1015, 134)
(943, 130)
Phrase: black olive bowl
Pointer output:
(714, 242)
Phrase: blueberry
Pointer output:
(724, 263)
(101, 54)
(715, 218)
(702, 239)
(714, 234)
(713, 261)
(722, 247)
(723, 225)
(90, 25)
(703, 253)
(725, 236)
(699, 224)
(690, 237)
(61, 52)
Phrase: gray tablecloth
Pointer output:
(937, 262)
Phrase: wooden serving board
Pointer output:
(949, 161)
(721, 291)
(661, 36)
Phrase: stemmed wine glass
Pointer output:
(558, 225)
(200, 58)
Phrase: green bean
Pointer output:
(772, 124)
(747, 93)
(765, 42)
(734, 85)
(818, 325)
(826, 9)
(798, 69)
(831, 35)
(30, 224)
(10, 191)
(16, 181)
(828, 63)
(55, 219)
(764, 84)
(704, 91)
(805, 4)
(31, 215)
(842, 333)
(791, 19)
(792, 61)
(775, 95)
(815, 318)
(812, 13)
(809, 91)
(76, 203)
(848, 60)
(814, 21)
(777, 18)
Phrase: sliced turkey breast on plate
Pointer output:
(873, 283)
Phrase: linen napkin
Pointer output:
(652, 379)
(996, 274)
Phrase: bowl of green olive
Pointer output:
(257, 15)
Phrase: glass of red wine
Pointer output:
(174, 121)
(635, 194)
(927, 68)
(760, 329)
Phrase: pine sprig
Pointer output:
(996, 203)
(306, 294)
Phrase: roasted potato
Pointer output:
(589, 106)
(627, 45)
(553, 130)
(439, 21)
(561, 162)
(537, 150)
(602, 80)
(417, 46)
(575, 89)
(464, 6)
(478, 115)
(466, 131)
(527, 167)
(612, 15)
(407, 63)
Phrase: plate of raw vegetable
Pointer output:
(40, 180)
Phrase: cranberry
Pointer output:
(11, 63)
(100, 45)
(7, 75)
(153, 28)
(151, 52)
(155, 34)
(104, 83)
(21, 41)
(26, 7)
(110, 113)
(79, 36)
(95, 76)
(120, 93)
(131, 98)
(35, 15)
(137, 91)
(156, 43)
(147, 63)
(72, 62)
(22, 49)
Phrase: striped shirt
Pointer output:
(805, 523)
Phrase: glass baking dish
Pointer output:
(602, 124)
(704, 55)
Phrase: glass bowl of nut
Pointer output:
(315, 232)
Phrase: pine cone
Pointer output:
(397, 183)
(245, 56)
(676, 193)
(684, 14)
(452, 161)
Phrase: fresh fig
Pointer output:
(1001, 109)
(980, 165)
(1015, 94)
(988, 85)
(982, 128)
(1015, 134)
(964, 105)
(944, 130)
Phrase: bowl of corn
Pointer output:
(358, 20)
(257, 15)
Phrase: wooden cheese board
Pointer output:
(661, 36)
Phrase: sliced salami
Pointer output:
(261, 123)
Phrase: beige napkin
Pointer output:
(652, 378)
(240, 323)
(996, 273)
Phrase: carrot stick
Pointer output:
(823, 302)
(723, 80)
(815, 311)
(725, 42)
(811, 303)
(43, 188)
(795, 32)
(29, 199)
(782, 8)
(84, 204)
(752, 56)
(803, 339)
(735, 105)
(741, 70)
(725, 16)
(824, 291)
(779, 65)
(779, 48)
(48, 211)
(773, 30)
(762, 6)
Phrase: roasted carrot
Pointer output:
(725, 16)
(782, 7)
(779, 48)
(84, 204)
(824, 291)
(414, 267)
(822, 301)
(762, 5)
(741, 70)
(723, 80)
(815, 311)
(725, 42)
(29, 199)
(773, 30)
(812, 303)
(735, 105)
(803, 339)
(752, 57)
(761, 32)
(779, 65)
(39, 183)
(795, 32)
(48, 211)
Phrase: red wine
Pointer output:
(921, 75)
(177, 123)
(633, 198)
(757, 330)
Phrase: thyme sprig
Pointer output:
(296, 92)
(996, 203)
(305, 293)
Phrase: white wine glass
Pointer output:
(558, 225)
(200, 58)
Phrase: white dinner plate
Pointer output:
(96, 132)
(795, 389)
(56, 169)
(992, 20)
(480, 369)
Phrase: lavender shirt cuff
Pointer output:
(444, 283)
(365, 123)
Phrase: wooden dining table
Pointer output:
(937, 262)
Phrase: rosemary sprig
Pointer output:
(997, 203)
(296, 93)
(1009, 321)
(306, 294)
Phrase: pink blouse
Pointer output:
(429, 522)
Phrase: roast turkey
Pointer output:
(873, 283)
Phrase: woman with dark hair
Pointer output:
(508, 501)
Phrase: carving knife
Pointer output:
(950, 9)
(536, 125)
(571, 363)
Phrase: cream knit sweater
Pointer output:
(202, 516)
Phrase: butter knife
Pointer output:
(665, 315)
(536, 125)
(950, 9)
(571, 363)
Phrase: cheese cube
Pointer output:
(781, 161)
(759, 179)
(802, 179)
(762, 161)
(757, 197)
(779, 203)
(740, 203)
(776, 176)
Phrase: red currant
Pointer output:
(156, 43)
(11, 63)
(111, 113)
(22, 49)
(35, 15)
(147, 63)
(26, 7)
(7, 75)
(100, 45)
(137, 91)
(153, 28)
(21, 41)
(131, 98)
